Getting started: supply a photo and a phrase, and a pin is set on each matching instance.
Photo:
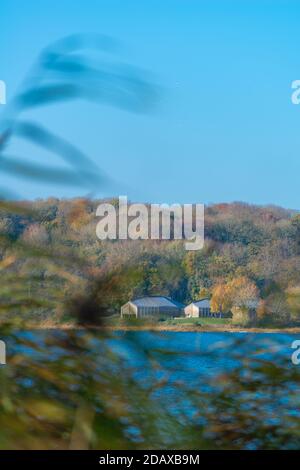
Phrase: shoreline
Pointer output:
(162, 328)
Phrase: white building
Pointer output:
(200, 308)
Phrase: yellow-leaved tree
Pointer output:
(221, 298)
(240, 296)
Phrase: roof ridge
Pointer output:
(151, 296)
(158, 297)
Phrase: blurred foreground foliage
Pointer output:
(78, 390)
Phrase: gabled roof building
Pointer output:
(152, 306)
(201, 308)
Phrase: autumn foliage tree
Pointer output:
(243, 292)
(221, 298)
(239, 294)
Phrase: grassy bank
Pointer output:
(114, 323)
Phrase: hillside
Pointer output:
(50, 251)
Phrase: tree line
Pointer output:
(251, 254)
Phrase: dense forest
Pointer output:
(250, 252)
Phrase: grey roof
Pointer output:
(204, 303)
(156, 301)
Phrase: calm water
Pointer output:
(197, 353)
(187, 356)
(183, 373)
(205, 353)
(196, 359)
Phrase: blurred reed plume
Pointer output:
(72, 68)
(65, 71)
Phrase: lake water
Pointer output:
(189, 356)
(195, 377)
(206, 353)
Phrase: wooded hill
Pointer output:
(50, 251)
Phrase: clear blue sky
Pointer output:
(225, 129)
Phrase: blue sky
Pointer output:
(225, 128)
